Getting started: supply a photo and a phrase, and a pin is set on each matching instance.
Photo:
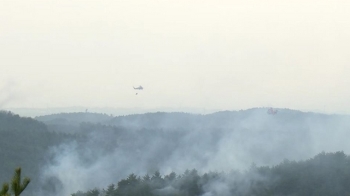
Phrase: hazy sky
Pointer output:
(224, 54)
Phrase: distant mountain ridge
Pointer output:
(174, 120)
(75, 117)
(224, 116)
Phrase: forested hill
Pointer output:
(75, 117)
(327, 174)
(256, 119)
(24, 143)
(175, 120)
(220, 141)
(10, 121)
(108, 148)
(70, 122)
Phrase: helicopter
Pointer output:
(138, 88)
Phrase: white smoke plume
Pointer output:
(223, 141)
(8, 93)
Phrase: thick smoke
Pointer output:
(223, 141)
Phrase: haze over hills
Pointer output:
(35, 112)
(124, 93)
(171, 120)
(109, 148)
(252, 133)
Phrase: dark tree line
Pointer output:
(324, 175)
(185, 184)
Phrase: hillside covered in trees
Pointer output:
(24, 143)
(67, 152)
(324, 175)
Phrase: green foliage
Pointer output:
(4, 190)
(17, 187)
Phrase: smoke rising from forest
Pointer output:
(166, 142)
(8, 93)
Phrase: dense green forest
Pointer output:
(327, 174)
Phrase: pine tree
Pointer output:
(110, 190)
(16, 186)
(93, 192)
(4, 190)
